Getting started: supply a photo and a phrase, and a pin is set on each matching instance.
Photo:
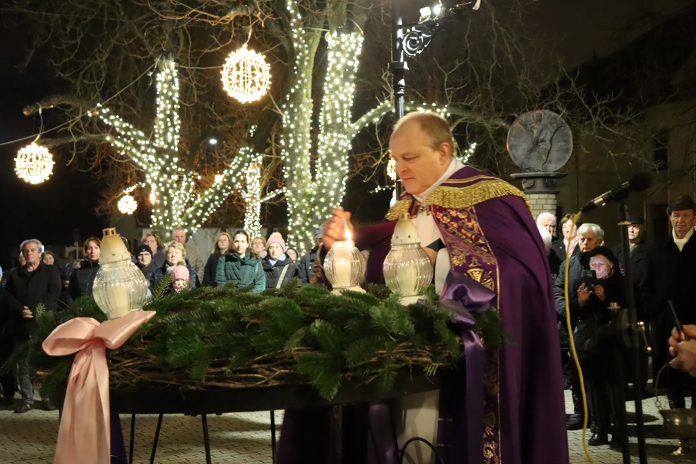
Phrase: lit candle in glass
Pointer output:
(344, 265)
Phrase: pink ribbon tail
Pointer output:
(84, 433)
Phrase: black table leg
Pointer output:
(273, 438)
(154, 443)
(131, 445)
(206, 439)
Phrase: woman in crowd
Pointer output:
(175, 253)
(239, 266)
(154, 241)
(49, 258)
(84, 271)
(292, 254)
(258, 247)
(279, 269)
(598, 345)
(223, 241)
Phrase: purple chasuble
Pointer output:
(493, 240)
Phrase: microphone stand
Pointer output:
(633, 330)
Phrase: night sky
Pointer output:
(49, 211)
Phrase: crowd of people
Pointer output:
(661, 278)
(39, 281)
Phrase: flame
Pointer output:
(348, 235)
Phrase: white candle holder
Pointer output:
(119, 286)
(407, 267)
(344, 267)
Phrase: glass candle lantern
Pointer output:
(345, 266)
(119, 286)
(407, 268)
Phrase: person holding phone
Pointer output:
(590, 236)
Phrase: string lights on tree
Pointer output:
(246, 76)
(177, 203)
(34, 163)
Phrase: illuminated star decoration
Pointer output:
(127, 204)
(34, 163)
(246, 76)
(177, 203)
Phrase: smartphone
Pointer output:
(677, 323)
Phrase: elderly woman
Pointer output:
(223, 241)
(175, 254)
(589, 236)
(239, 267)
(598, 347)
(85, 270)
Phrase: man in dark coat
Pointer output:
(28, 286)
(638, 252)
(670, 275)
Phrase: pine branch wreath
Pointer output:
(231, 338)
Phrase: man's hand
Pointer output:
(335, 227)
(684, 350)
(27, 313)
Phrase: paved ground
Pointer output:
(245, 438)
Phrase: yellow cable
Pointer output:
(572, 345)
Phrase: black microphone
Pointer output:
(637, 183)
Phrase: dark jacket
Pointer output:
(639, 263)
(243, 271)
(42, 286)
(575, 271)
(274, 271)
(82, 278)
(558, 249)
(210, 270)
(670, 275)
(305, 265)
(147, 272)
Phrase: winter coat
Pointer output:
(210, 271)
(82, 278)
(42, 286)
(274, 271)
(242, 271)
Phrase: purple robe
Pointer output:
(492, 238)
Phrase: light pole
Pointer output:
(410, 40)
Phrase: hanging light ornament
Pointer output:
(246, 76)
(34, 163)
(127, 204)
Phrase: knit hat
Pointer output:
(180, 272)
(275, 237)
(142, 249)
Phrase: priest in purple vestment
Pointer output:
(480, 235)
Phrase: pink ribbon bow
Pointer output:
(84, 433)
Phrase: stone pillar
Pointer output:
(540, 188)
